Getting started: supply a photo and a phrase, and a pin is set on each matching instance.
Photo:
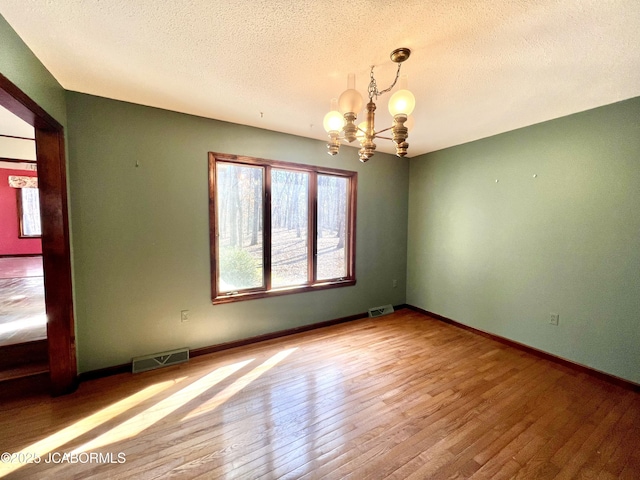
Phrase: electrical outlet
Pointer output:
(184, 316)
(394, 283)
(554, 318)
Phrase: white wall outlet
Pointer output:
(554, 318)
(394, 283)
(184, 316)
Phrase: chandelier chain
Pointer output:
(373, 87)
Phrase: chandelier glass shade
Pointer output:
(340, 121)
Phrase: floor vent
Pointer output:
(379, 311)
(158, 360)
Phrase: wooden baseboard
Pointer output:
(196, 352)
(270, 336)
(534, 351)
(104, 372)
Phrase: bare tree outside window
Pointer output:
(332, 217)
(240, 247)
(289, 228)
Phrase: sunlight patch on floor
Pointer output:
(134, 425)
(239, 384)
(50, 443)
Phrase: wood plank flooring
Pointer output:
(400, 396)
(22, 305)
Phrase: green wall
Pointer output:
(559, 232)
(141, 234)
(20, 65)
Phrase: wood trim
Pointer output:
(104, 372)
(256, 161)
(17, 138)
(56, 254)
(17, 160)
(20, 104)
(350, 233)
(196, 352)
(254, 295)
(312, 228)
(270, 336)
(56, 250)
(534, 351)
(213, 226)
(267, 224)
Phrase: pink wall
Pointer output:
(10, 243)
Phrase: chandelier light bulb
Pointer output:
(402, 101)
(351, 101)
(333, 121)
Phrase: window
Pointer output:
(279, 228)
(29, 212)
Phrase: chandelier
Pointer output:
(340, 121)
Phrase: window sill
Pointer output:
(243, 296)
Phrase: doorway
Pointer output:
(56, 255)
(22, 306)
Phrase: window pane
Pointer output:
(240, 249)
(279, 228)
(289, 227)
(332, 218)
(30, 201)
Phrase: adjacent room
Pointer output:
(320, 240)
(23, 330)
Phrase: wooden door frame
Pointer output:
(56, 251)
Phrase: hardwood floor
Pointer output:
(22, 305)
(399, 396)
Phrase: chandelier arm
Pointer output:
(383, 130)
(384, 138)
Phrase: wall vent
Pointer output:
(379, 311)
(158, 360)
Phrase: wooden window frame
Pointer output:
(312, 284)
(20, 209)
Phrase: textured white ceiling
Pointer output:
(477, 68)
(14, 126)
